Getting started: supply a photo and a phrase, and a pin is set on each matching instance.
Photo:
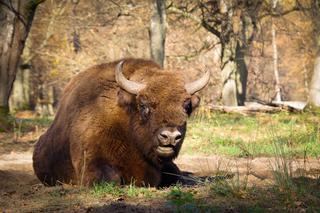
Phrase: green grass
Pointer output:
(251, 136)
(100, 189)
(110, 188)
(26, 125)
(183, 200)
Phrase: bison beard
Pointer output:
(110, 128)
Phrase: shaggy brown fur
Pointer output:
(102, 132)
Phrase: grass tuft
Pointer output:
(184, 201)
(110, 188)
(102, 188)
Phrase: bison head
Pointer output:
(158, 110)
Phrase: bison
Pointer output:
(110, 128)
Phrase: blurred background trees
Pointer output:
(237, 25)
(16, 18)
(264, 50)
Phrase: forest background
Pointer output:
(260, 51)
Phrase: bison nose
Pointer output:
(167, 137)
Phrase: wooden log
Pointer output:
(249, 109)
(291, 105)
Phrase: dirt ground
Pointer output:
(20, 191)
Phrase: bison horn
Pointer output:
(130, 86)
(199, 84)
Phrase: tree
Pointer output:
(234, 23)
(158, 31)
(314, 96)
(15, 23)
(275, 55)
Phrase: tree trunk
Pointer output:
(228, 75)
(314, 97)
(234, 75)
(314, 92)
(234, 68)
(241, 74)
(157, 32)
(275, 56)
(17, 16)
(44, 102)
(19, 98)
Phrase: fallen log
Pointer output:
(291, 105)
(248, 109)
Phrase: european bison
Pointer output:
(109, 128)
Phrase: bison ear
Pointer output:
(195, 101)
(126, 99)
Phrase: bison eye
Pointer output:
(187, 106)
(144, 112)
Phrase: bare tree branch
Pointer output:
(14, 11)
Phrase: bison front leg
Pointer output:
(140, 173)
(95, 172)
(170, 174)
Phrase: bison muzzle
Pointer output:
(123, 121)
